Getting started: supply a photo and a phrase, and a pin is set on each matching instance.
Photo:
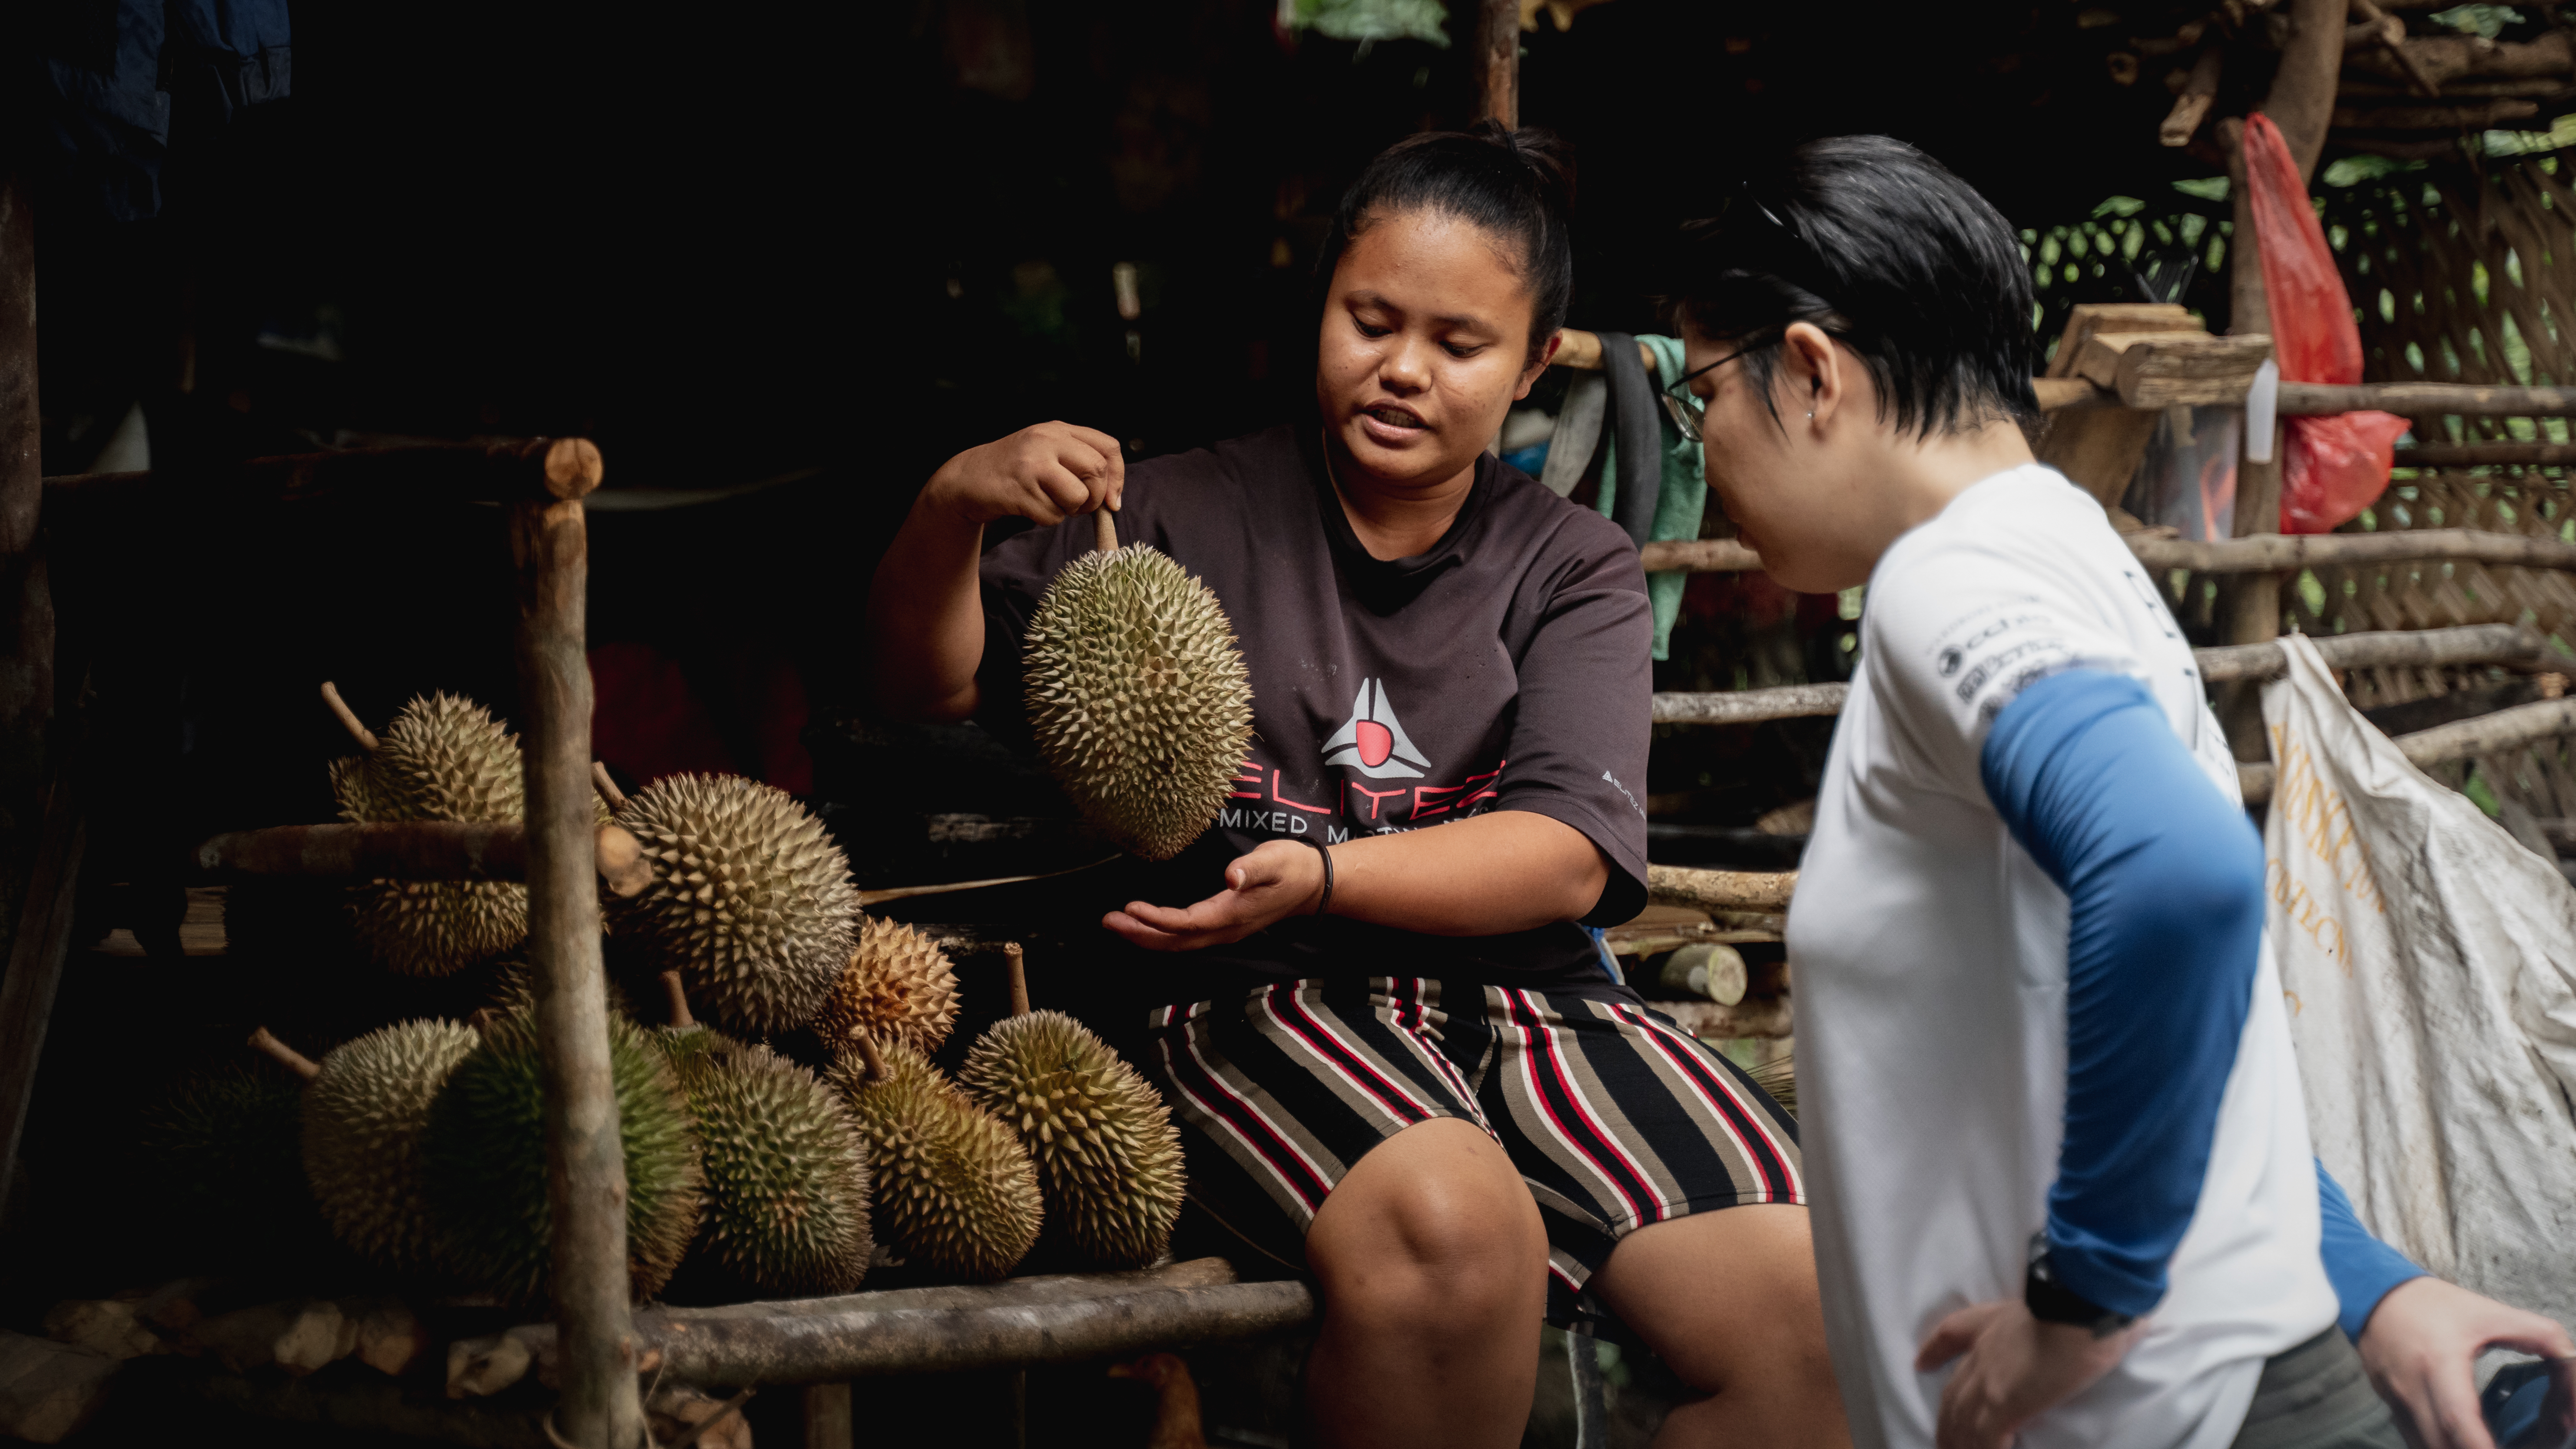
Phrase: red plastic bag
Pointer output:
(2331, 467)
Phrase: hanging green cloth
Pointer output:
(1684, 498)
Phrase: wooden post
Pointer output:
(827, 1416)
(40, 828)
(585, 1161)
(1497, 59)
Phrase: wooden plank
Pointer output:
(1721, 890)
(2171, 369)
(585, 1160)
(36, 953)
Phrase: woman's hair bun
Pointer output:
(1519, 185)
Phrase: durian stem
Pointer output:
(1104, 531)
(1019, 976)
(679, 996)
(869, 1055)
(606, 786)
(287, 1056)
(896, 893)
(348, 717)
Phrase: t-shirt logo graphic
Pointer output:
(1371, 741)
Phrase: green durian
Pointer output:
(364, 1116)
(751, 901)
(786, 1169)
(443, 758)
(486, 1149)
(1138, 697)
(955, 1190)
(897, 986)
(1108, 1156)
(217, 1157)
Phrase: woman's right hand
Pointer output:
(1046, 474)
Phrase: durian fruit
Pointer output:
(443, 758)
(1779, 1077)
(486, 1149)
(955, 1190)
(514, 988)
(750, 900)
(897, 986)
(218, 1163)
(786, 1170)
(1108, 1156)
(365, 1110)
(1138, 697)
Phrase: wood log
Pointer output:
(1699, 556)
(414, 850)
(585, 1161)
(2506, 729)
(103, 1325)
(2303, 88)
(2273, 552)
(2442, 59)
(49, 1390)
(687, 1418)
(2462, 90)
(1758, 1016)
(2173, 369)
(298, 1335)
(504, 471)
(2479, 116)
(1720, 890)
(1748, 706)
(36, 951)
(2427, 399)
(2390, 36)
(2503, 453)
(2191, 107)
(2512, 645)
(1497, 61)
(484, 1366)
(2099, 450)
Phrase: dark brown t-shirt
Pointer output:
(1506, 669)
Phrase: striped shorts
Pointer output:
(1614, 1116)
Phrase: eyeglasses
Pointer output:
(1685, 407)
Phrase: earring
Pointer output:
(1811, 417)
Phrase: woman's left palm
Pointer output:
(1278, 879)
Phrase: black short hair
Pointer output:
(1881, 246)
(1519, 185)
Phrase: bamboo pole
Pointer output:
(2277, 552)
(2501, 453)
(585, 1161)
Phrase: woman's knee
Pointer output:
(1440, 1231)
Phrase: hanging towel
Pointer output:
(1678, 488)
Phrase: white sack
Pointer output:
(2429, 966)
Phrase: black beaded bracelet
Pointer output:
(1326, 903)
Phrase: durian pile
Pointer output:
(1138, 697)
(419, 1146)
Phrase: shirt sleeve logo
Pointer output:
(1371, 741)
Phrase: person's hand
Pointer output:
(1046, 474)
(2421, 1345)
(1278, 879)
(2014, 1369)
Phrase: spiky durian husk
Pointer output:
(443, 758)
(363, 1120)
(898, 986)
(786, 1169)
(514, 988)
(218, 1161)
(955, 1190)
(1138, 697)
(486, 1149)
(1108, 1156)
(750, 899)
(1779, 1077)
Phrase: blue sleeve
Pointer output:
(2164, 881)
(2361, 1267)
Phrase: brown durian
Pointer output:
(1108, 1156)
(955, 1191)
(1138, 697)
(751, 901)
(898, 986)
(443, 758)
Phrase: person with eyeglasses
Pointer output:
(2063, 1192)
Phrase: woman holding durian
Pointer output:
(1394, 1053)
